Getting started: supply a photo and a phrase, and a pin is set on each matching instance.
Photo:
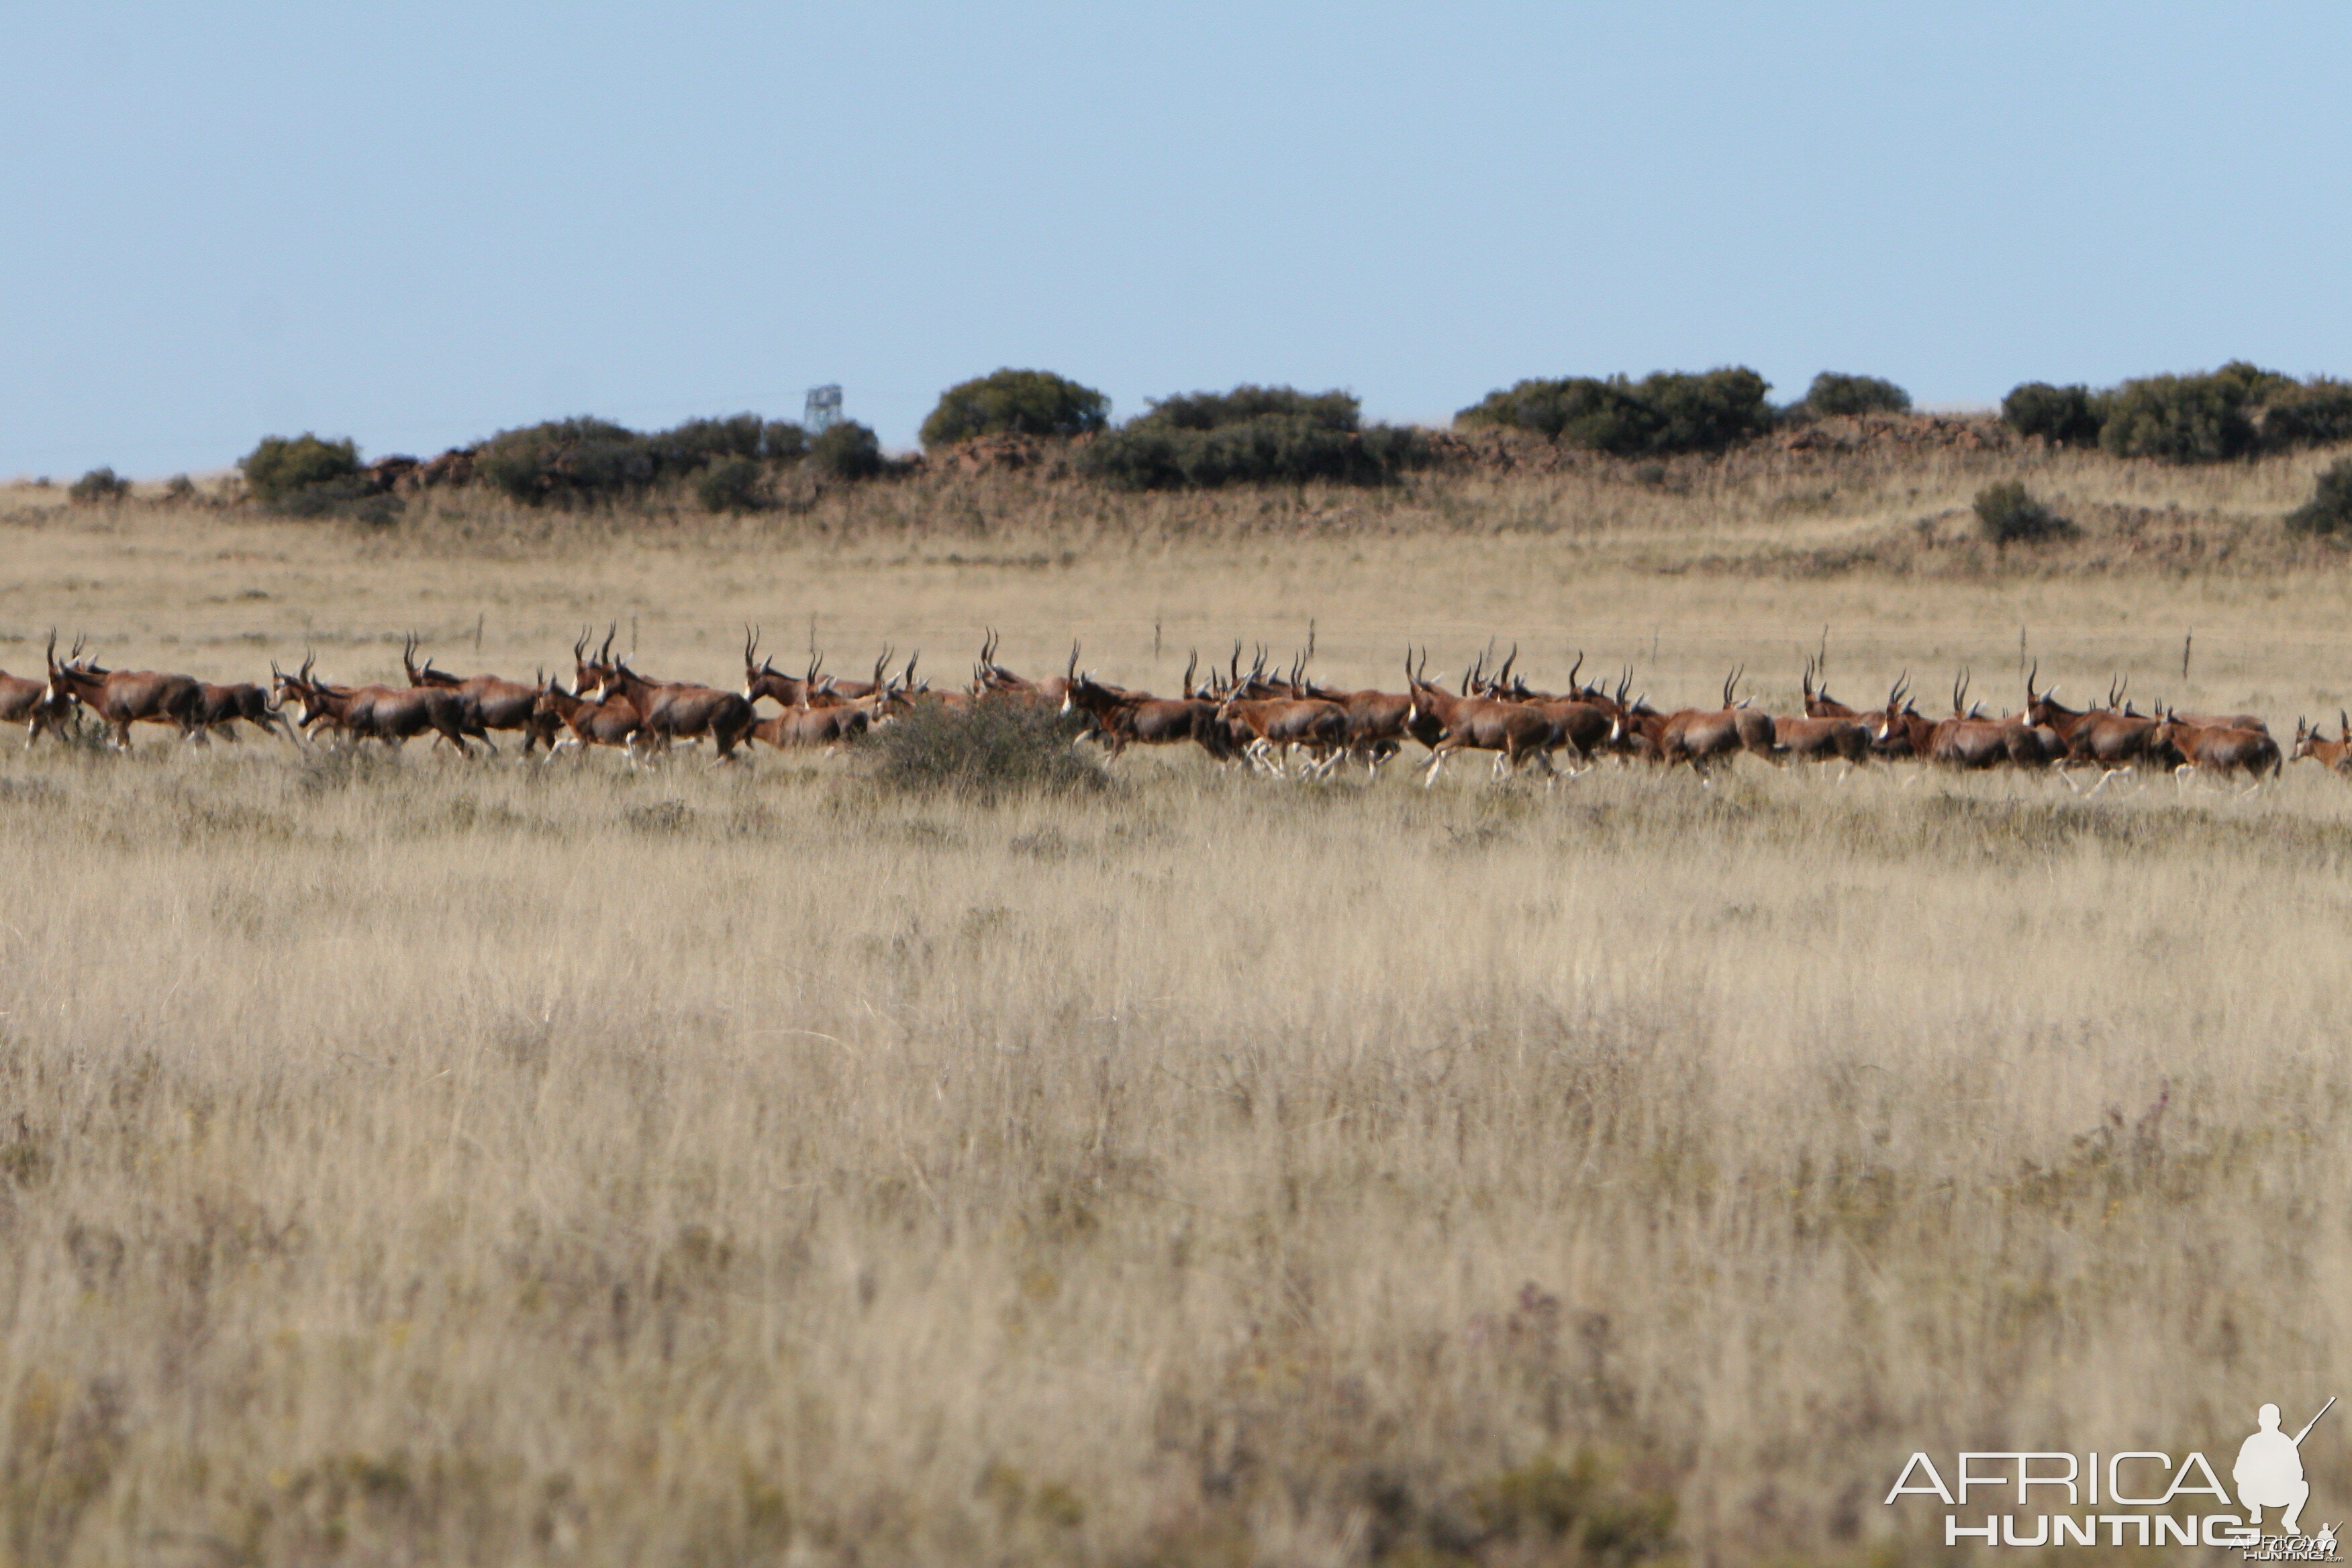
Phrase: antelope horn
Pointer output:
(1191, 664)
(750, 647)
(1071, 669)
(1572, 669)
(2028, 683)
(580, 646)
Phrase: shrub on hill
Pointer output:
(845, 451)
(285, 473)
(98, 487)
(2206, 419)
(1251, 435)
(1016, 403)
(1833, 393)
(2006, 514)
(2063, 415)
(1664, 413)
(731, 484)
(585, 461)
(2316, 413)
(2329, 510)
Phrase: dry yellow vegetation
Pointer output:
(410, 1161)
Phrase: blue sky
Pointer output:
(419, 224)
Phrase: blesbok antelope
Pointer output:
(1514, 732)
(612, 723)
(394, 715)
(1825, 730)
(222, 707)
(1580, 720)
(2336, 754)
(2217, 748)
(1265, 725)
(2114, 741)
(499, 703)
(29, 703)
(122, 698)
(1703, 737)
(1968, 741)
(1124, 719)
(680, 710)
(991, 676)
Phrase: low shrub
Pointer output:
(2063, 415)
(587, 461)
(1664, 413)
(731, 485)
(2006, 514)
(1016, 403)
(281, 472)
(845, 451)
(2203, 418)
(2316, 413)
(1333, 410)
(1835, 393)
(2328, 512)
(180, 487)
(996, 746)
(1271, 449)
(98, 488)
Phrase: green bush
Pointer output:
(586, 461)
(1016, 403)
(2006, 514)
(2329, 509)
(996, 746)
(2316, 413)
(846, 452)
(98, 487)
(281, 471)
(1332, 410)
(1664, 413)
(2205, 418)
(2063, 415)
(1833, 393)
(731, 484)
(180, 487)
(1251, 436)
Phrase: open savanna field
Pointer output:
(404, 1160)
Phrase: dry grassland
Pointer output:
(402, 1162)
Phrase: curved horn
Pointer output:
(2028, 683)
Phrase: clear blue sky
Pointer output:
(419, 224)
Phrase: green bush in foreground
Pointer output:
(2006, 514)
(991, 747)
(2329, 510)
(1015, 403)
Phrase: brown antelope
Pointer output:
(1124, 719)
(991, 676)
(2217, 748)
(831, 722)
(1267, 729)
(1971, 743)
(499, 703)
(612, 723)
(122, 698)
(1514, 732)
(2334, 755)
(680, 710)
(29, 703)
(1581, 721)
(1827, 730)
(391, 714)
(2114, 741)
(1704, 737)
(223, 706)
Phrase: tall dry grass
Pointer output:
(402, 1162)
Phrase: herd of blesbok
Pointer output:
(1245, 716)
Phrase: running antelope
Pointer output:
(122, 698)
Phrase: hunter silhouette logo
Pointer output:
(2269, 1471)
(2132, 1497)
